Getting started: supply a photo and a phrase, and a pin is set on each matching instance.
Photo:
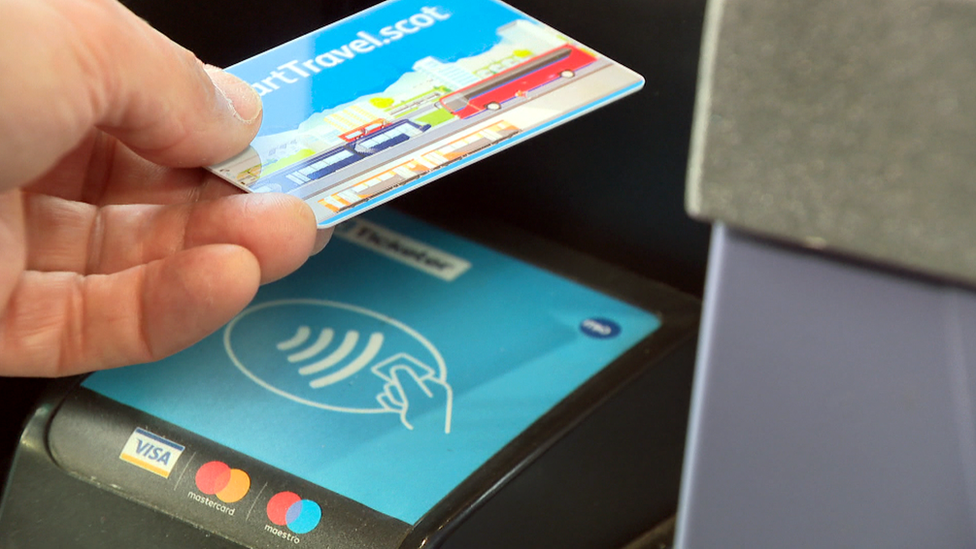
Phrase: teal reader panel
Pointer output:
(391, 366)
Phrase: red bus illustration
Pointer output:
(490, 93)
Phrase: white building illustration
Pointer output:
(450, 75)
(353, 116)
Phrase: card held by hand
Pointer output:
(373, 106)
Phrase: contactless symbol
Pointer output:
(326, 362)
(216, 478)
(342, 358)
(600, 328)
(301, 516)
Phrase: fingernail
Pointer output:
(244, 101)
(322, 237)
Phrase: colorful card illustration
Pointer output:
(378, 104)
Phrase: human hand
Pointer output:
(116, 248)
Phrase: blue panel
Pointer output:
(832, 407)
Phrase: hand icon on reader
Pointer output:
(413, 389)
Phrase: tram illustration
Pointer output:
(492, 92)
(364, 130)
(419, 164)
(369, 141)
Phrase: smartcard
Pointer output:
(378, 104)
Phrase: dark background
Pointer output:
(610, 184)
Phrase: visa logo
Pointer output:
(151, 452)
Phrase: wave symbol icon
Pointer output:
(343, 358)
(321, 343)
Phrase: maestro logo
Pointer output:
(340, 357)
(301, 516)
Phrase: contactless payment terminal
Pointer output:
(386, 370)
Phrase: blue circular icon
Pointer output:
(303, 516)
(600, 328)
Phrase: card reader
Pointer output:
(412, 386)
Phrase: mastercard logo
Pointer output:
(299, 515)
(216, 478)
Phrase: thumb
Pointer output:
(201, 116)
(73, 65)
